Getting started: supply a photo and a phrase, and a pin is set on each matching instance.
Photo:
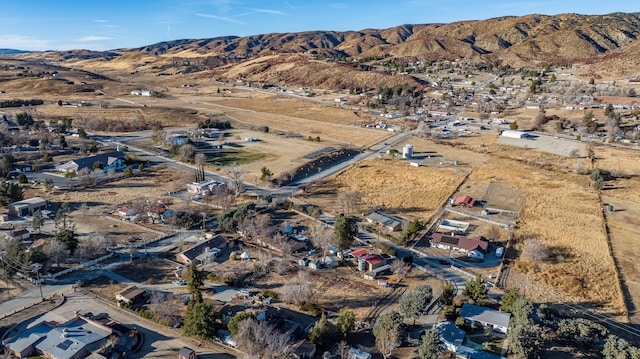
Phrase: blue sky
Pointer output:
(111, 24)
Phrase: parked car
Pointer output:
(179, 282)
(499, 252)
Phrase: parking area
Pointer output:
(553, 144)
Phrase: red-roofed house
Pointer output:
(464, 201)
(370, 262)
(475, 247)
(358, 253)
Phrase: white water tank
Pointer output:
(407, 151)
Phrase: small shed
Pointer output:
(358, 354)
(187, 353)
(331, 261)
(464, 201)
(130, 294)
(245, 256)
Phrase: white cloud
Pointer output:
(221, 18)
(21, 42)
(94, 38)
(270, 11)
(100, 20)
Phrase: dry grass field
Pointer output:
(563, 212)
(624, 227)
(413, 192)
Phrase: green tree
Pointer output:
(346, 323)
(345, 229)
(128, 172)
(48, 184)
(22, 179)
(476, 290)
(448, 292)
(265, 174)
(320, 335)
(234, 322)
(37, 222)
(513, 125)
(68, 236)
(82, 133)
(195, 281)
(46, 157)
(526, 341)
(508, 299)
(9, 193)
(200, 320)
(430, 346)
(388, 332)
(413, 304)
(393, 153)
(141, 167)
(63, 142)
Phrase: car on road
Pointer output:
(179, 282)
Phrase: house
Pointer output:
(130, 294)
(304, 349)
(127, 212)
(189, 255)
(205, 187)
(358, 354)
(358, 252)
(18, 234)
(156, 211)
(464, 201)
(75, 339)
(27, 207)
(187, 353)
(370, 262)
(451, 339)
(475, 247)
(475, 315)
(331, 261)
(382, 219)
(111, 161)
(147, 93)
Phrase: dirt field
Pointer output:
(147, 270)
(624, 227)
(103, 201)
(414, 192)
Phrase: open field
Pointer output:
(562, 211)
(413, 192)
(624, 227)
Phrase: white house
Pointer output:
(491, 318)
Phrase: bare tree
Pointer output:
(350, 200)
(534, 250)
(400, 268)
(342, 349)
(298, 289)
(200, 159)
(187, 152)
(258, 339)
(236, 174)
(322, 237)
(55, 250)
(164, 307)
(493, 232)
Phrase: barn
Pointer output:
(514, 134)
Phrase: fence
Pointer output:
(81, 265)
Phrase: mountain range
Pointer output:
(603, 43)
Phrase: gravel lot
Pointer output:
(559, 146)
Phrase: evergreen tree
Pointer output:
(430, 346)
(321, 332)
(346, 323)
(346, 229)
(476, 290)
